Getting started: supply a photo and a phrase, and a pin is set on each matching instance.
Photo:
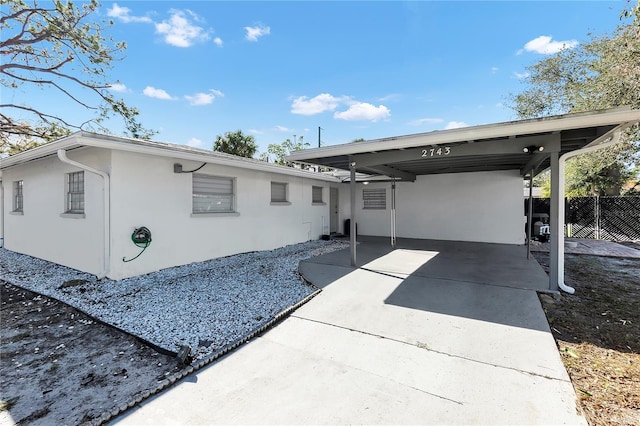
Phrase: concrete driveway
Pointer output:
(398, 340)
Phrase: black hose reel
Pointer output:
(141, 237)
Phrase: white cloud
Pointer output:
(118, 87)
(283, 129)
(321, 103)
(180, 31)
(152, 92)
(390, 97)
(218, 41)
(194, 143)
(422, 121)
(256, 132)
(521, 75)
(123, 14)
(203, 98)
(546, 46)
(363, 111)
(258, 31)
(455, 125)
(494, 70)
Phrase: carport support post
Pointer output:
(352, 224)
(555, 222)
(530, 214)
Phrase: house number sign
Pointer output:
(436, 152)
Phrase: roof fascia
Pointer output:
(476, 133)
(80, 139)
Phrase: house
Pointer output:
(78, 200)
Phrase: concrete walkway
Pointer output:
(395, 341)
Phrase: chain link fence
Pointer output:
(602, 218)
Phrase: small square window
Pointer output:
(17, 196)
(374, 198)
(278, 192)
(212, 194)
(75, 193)
(316, 194)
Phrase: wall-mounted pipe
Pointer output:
(609, 140)
(1, 211)
(62, 155)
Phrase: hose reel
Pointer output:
(141, 237)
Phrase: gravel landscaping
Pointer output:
(204, 305)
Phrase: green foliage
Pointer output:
(600, 74)
(278, 152)
(62, 49)
(632, 12)
(236, 143)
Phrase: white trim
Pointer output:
(179, 152)
(73, 215)
(486, 131)
(212, 214)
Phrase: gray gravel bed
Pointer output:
(205, 305)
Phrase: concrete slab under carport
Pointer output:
(503, 265)
(383, 345)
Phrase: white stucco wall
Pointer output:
(40, 231)
(484, 206)
(146, 192)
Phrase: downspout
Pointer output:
(1, 211)
(608, 141)
(62, 155)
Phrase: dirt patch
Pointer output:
(59, 366)
(597, 331)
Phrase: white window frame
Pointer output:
(218, 191)
(279, 187)
(374, 198)
(74, 193)
(315, 191)
(18, 196)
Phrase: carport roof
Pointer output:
(499, 146)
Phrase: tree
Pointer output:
(236, 143)
(280, 151)
(632, 12)
(62, 50)
(602, 73)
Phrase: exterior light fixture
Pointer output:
(531, 149)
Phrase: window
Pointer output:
(374, 198)
(278, 192)
(17, 196)
(316, 195)
(75, 192)
(212, 194)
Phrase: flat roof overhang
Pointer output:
(524, 145)
(82, 139)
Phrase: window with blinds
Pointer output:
(374, 198)
(278, 192)
(75, 192)
(316, 194)
(212, 194)
(17, 196)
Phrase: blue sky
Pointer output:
(357, 69)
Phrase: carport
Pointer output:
(528, 146)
